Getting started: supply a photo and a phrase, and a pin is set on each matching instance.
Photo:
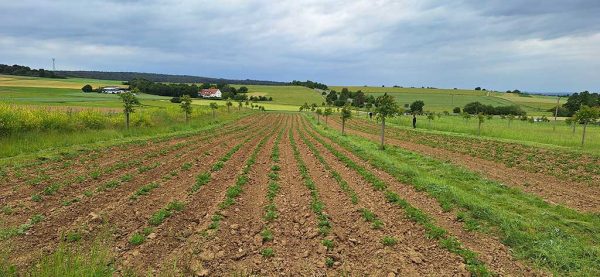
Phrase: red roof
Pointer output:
(208, 92)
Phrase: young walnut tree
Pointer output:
(213, 107)
(129, 104)
(328, 111)
(385, 106)
(319, 113)
(345, 114)
(186, 106)
(585, 116)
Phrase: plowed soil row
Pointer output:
(68, 169)
(490, 249)
(27, 207)
(46, 234)
(173, 238)
(360, 247)
(579, 196)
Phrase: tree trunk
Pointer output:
(583, 135)
(127, 120)
(382, 132)
(213, 113)
(556, 114)
(326, 117)
(574, 124)
(343, 123)
(479, 129)
(318, 121)
(187, 117)
(228, 108)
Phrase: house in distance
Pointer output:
(114, 90)
(210, 93)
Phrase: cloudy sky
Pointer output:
(532, 45)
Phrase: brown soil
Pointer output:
(181, 244)
(28, 208)
(491, 251)
(47, 233)
(579, 196)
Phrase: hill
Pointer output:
(439, 100)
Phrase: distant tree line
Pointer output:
(310, 84)
(165, 78)
(172, 90)
(178, 90)
(20, 70)
(476, 108)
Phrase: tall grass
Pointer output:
(26, 130)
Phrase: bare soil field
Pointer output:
(264, 195)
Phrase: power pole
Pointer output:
(555, 113)
(53, 65)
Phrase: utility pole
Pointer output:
(556, 113)
(53, 65)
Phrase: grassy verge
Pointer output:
(550, 236)
(28, 145)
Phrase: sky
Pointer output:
(530, 45)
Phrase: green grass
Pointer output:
(522, 131)
(137, 239)
(285, 95)
(389, 241)
(267, 252)
(161, 215)
(550, 236)
(144, 190)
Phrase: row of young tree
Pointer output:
(19, 70)
(162, 89)
(385, 106)
(131, 102)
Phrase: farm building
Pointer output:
(113, 90)
(210, 93)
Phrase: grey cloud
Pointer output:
(500, 44)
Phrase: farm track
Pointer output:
(490, 249)
(575, 195)
(46, 234)
(28, 208)
(177, 233)
(54, 172)
(360, 246)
